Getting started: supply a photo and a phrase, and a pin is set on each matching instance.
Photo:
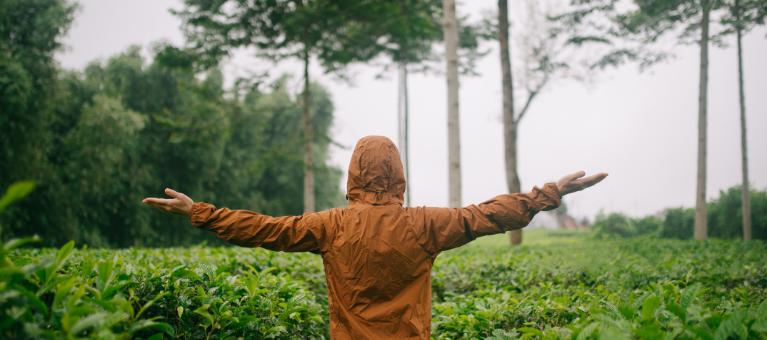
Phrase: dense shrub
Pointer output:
(127, 128)
(725, 219)
(678, 223)
(96, 141)
(614, 224)
(602, 289)
(648, 225)
(621, 225)
(571, 287)
(725, 214)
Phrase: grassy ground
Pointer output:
(533, 237)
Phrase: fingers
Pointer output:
(577, 182)
(157, 201)
(570, 179)
(172, 193)
(578, 174)
(175, 194)
(160, 203)
(575, 175)
(593, 179)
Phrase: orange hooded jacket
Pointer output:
(377, 254)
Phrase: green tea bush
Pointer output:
(614, 224)
(725, 214)
(194, 293)
(566, 287)
(621, 225)
(639, 288)
(725, 219)
(678, 223)
(191, 293)
(570, 287)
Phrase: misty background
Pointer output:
(638, 126)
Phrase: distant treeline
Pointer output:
(724, 219)
(97, 141)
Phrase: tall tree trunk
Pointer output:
(403, 127)
(450, 28)
(309, 201)
(701, 223)
(509, 121)
(512, 179)
(746, 198)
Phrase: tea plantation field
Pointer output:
(559, 285)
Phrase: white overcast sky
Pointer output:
(639, 127)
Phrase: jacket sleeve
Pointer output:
(251, 229)
(447, 228)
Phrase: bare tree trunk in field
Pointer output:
(701, 223)
(403, 133)
(746, 195)
(509, 121)
(309, 201)
(450, 28)
(512, 179)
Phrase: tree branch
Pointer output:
(532, 94)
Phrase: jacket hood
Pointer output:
(376, 175)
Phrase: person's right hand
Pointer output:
(179, 203)
(576, 182)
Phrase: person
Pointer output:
(377, 254)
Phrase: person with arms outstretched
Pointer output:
(376, 253)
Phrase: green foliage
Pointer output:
(337, 33)
(125, 129)
(617, 224)
(333, 31)
(724, 219)
(725, 214)
(589, 289)
(678, 223)
(410, 29)
(29, 36)
(743, 14)
(193, 293)
(16, 192)
(568, 286)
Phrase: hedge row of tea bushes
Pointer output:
(724, 219)
(194, 293)
(573, 287)
(579, 287)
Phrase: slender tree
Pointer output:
(450, 31)
(743, 139)
(744, 15)
(403, 122)
(335, 32)
(540, 63)
(645, 24)
(701, 220)
(410, 29)
(509, 121)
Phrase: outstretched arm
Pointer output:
(447, 228)
(247, 228)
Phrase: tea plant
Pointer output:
(569, 286)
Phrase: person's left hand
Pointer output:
(179, 203)
(576, 182)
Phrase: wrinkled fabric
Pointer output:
(377, 255)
